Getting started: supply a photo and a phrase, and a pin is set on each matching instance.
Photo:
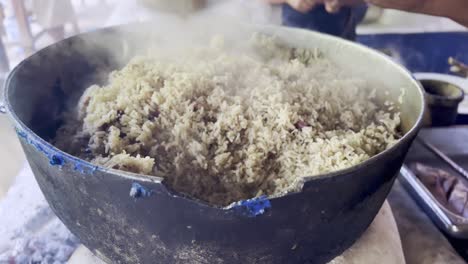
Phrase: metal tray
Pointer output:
(451, 141)
(452, 224)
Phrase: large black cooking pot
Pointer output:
(129, 218)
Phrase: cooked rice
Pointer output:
(222, 125)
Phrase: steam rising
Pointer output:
(155, 32)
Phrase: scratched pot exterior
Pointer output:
(153, 225)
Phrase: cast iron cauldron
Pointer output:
(129, 218)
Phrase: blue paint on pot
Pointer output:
(55, 158)
(255, 206)
(84, 168)
(138, 191)
(21, 134)
(78, 167)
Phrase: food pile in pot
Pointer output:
(221, 124)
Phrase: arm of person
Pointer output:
(456, 10)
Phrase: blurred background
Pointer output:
(29, 25)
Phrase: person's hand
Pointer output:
(304, 6)
(334, 6)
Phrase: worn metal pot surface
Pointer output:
(128, 218)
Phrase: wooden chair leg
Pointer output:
(4, 62)
(27, 40)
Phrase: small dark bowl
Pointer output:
(443, 99)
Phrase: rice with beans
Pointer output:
(221, 125)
